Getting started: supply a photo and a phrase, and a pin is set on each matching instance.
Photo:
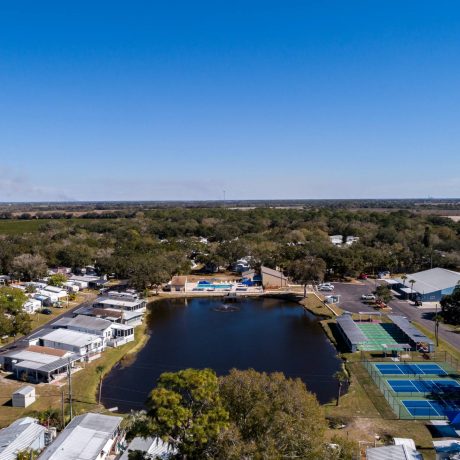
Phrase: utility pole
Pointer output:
(436, 326)
(62, 409)
(69, 380)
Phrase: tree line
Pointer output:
(150, 246)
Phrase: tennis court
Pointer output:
(429, 408)
(424, 386)
(381, 336)
(410, 369)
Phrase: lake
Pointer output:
(265, 334)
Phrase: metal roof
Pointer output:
(435, 279)
(19, 436)
(411, 331)
(85, 322)
(270, 271)
(119, 302)
(24, 390)
(400, 452)
(26, 355)
(83, 438)
(351, 330)
(153, 446)
(69, 337)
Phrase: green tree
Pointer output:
(450, 306)
(309, 270)
(277, 416)
(383, 293)
(186, 411)
(27, 454)
(13, 319)
(57, 280)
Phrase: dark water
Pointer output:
(265, 334)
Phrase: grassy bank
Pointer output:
(86, 381)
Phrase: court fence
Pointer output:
(394, 400)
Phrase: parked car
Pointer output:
(368, 297)
(46, 311)
(363, 276)
(326, 287)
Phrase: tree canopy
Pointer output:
(243, 415)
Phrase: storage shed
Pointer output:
(24, 397)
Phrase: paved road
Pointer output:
(350, 294)
(89, 299)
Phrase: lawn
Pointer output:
(314, 304)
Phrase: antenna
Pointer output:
(224, 194)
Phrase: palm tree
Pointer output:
(100, 371)
(341, 377)
(404, 278)
(412, 282)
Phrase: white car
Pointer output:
(326, 287)
(368, 297)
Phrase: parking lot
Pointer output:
(350, 295)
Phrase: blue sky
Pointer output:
(264, 99)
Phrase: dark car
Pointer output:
(363, 276)
(46, 311)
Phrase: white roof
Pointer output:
(55, 289)
(83, 438)
(69, 337)
(86, 278)
(400, 452)
(153, 446)
(85, 322)
(26, 355)
(435, 279)
(119, 302)
(19, 436)
(405, 442)
(24, 390)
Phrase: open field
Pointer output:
(20, 226)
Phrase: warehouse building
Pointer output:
(428, 285)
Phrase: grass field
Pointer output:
(19, 226)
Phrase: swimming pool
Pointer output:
(202, 287)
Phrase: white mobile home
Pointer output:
(23, 434)
(87, 346)
(89, 436)
(31, 306)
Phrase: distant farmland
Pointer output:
(19, 226)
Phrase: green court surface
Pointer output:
(381, 336)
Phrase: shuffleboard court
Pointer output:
(424, 386)
(429, 408)
(410, 369)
